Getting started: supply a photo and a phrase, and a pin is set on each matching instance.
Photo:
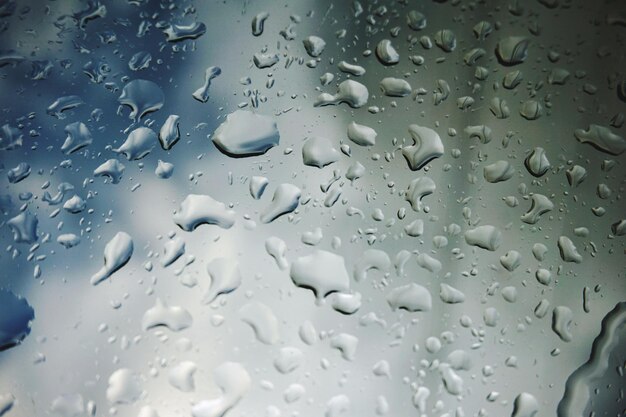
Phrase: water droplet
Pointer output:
(355, 171)
(445, 40)
(558, 76)
(542, 309)
(164, 170)
(258, 23)
(450, 295)
(382, 368)
(140, 61)
(511, 260)
(225, 278)
(24, 227)
(480, 132)
(619, 228)
(19, 173)
(173, 249)
(419, 399)
(262, 61)
(346, 344)
(313, 238)
(386, 53)
(415, 228)
(576, 175)
(75, 205)
(568, 251)
(395, 87)
(562, 317)
(512, 50)
(169, 133)
(498, 172)
(181, 376)
(293, 393)
(319, 152)
(418, 189)
(601, 138)
(314, 45)
(175, 318)
(345, 303)
(68, 240)
(63, 104)
(262, 320)
(416, 20)
(531, 110)
(78, 136)
(460, 360)
(491, 316)
(258, 185)
(525, 405)
(452, 382)
(234, 381)
(353, 69)
(246, 134)
(143, 97)
(307, 333)
(371, 259)
(350, 92)
(117, 253)
(285, 200)
(177, 33)
(138, 144)
(361, 135)
(537, 162)
(539, 205)
(202, 93)
(578, 388)
(486, 237)
(411, 297)
(322, 272)
(112, 168)
(198, 209)
(289, 359)
(124, 387)
(429, 263)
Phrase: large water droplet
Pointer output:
(143, 97)
(322, 272)
(246, 134)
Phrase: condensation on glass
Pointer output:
(312, 208)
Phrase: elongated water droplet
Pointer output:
(262, 320)
(117, 253)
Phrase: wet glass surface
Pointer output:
(254, 208)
